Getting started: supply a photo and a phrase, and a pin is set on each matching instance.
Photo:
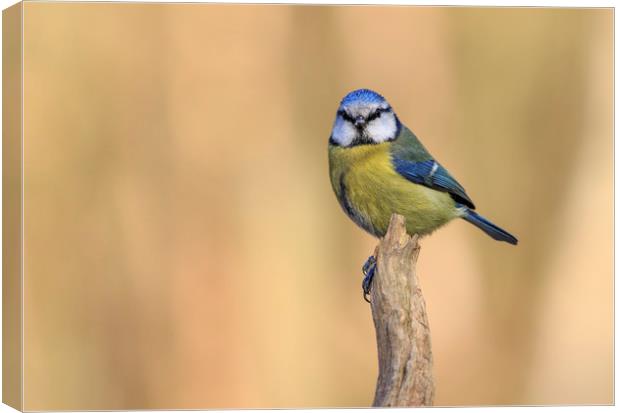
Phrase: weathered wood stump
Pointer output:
(399, 314)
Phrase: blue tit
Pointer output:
(379, 167)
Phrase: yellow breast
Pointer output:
(370, 190)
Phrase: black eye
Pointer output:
(376, 114)
(345, 116)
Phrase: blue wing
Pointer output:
(429, 173)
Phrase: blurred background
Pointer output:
(184, 249)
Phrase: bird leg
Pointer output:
(369, 271)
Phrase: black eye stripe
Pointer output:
(378, 113)
(370, 117)
(346, 116)
(374, 115)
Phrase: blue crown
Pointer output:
(362, 95)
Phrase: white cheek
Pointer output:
(343, 132)
(382, 129)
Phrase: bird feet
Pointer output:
(369, 272)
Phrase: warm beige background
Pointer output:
(183, 248)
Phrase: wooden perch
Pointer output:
(399, 313)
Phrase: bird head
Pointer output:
(364, 117)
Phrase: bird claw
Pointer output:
(369, 271)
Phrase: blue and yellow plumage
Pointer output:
(379, 167)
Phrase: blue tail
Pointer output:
(487, 226)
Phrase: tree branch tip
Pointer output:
(404, 351)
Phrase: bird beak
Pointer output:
(359, 121)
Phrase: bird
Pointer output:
(379, 167)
